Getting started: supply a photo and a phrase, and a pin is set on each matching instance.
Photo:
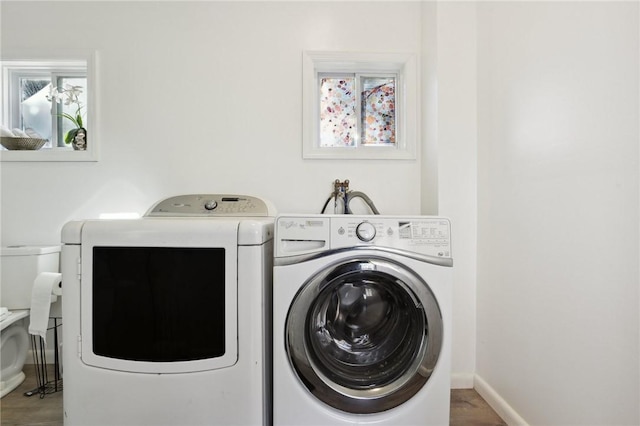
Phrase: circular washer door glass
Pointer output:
(364, 335)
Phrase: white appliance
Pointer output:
(361, 320)
(166, 318)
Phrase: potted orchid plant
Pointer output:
(70, 95)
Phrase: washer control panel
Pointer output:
(211, 205)
(314, 233)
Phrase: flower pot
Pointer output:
(79, 139)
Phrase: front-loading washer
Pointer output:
(167, 317)
(361, 320)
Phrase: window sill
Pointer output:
(358, 153)
(58, 154)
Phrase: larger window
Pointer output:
(50, 99)
(359, 105)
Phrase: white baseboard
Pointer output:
(499, 405)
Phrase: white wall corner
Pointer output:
(457, 132)
(495, 401)
(462, 380)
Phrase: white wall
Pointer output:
(199, 97)
(558, 258)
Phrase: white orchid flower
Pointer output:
(71, 94)
(74, 90)
(54, 95)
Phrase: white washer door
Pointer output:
(160, 295)
(364, 334)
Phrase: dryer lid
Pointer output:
(212, 205)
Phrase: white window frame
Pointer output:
(52, 63)
(402, 65)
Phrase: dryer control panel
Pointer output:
(427, 235)
(212, 205)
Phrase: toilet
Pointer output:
(19, 268)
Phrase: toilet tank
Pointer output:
(19, 268)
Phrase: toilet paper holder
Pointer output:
(46, 288)
(45, 384)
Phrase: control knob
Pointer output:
(366, 231)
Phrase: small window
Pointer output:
(49, 99)
(359, 106)
(357, 110)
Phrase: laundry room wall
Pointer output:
(558, 258)
(199, 97)
(206, 97)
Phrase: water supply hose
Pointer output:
(341, 190)
(365, 198)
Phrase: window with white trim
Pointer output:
(48, 99)
(359, 106)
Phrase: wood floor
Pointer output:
(467, 407)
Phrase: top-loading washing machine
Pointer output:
(167, 317)
(361, 320)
